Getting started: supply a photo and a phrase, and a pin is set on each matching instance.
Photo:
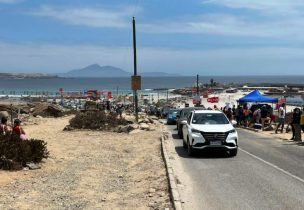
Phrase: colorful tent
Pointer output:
(256, 96)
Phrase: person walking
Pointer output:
(281, 118)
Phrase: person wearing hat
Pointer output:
(18, 130)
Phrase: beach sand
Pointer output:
(89, 170)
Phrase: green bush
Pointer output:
(96, 120)
(15, 153)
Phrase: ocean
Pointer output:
(123, 85)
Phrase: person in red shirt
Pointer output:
(17, 129)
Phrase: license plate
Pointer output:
(215, 143)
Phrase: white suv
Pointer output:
(209, 129)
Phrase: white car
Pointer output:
(209, 129)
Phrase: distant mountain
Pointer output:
(95, 70)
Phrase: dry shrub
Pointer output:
(15, 153)
(96, 120)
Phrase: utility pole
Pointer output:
(135, 70)
(167, 95)
(197, 91)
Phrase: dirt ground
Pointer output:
(89, 170)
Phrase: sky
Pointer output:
(186, 37)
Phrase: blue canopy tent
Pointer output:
(256, 96)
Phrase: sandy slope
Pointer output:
(90, 170)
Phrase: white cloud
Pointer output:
(231, 25)
(92, 17)
(58, 58)
(268, 6)
(10, 1)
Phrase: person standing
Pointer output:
(302, 120)
(246, 113)
(264, 113)
(257, 115)
(296, 118)
(281, 118)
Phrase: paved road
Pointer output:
(266, 174)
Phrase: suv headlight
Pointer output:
(195, 130)
(232, 131)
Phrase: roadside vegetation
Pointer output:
(97, 120)
(16, 153)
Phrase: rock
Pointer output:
(33, 166)
(151, 120)
(38, 116)
(136, 131)
(153, 117)
(4, 114)
(134, 126)
(269, 128)
(68, 128)
(144, 126)
(143, 121)
(152, 190)
(46, 109)
(123, 129)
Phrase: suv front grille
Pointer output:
(214, 136)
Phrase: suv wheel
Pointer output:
(185, 144)
(180, 133)
(190, 149)
(233, 152)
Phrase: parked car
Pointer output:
(209, 129)
(171, 117)
(182, 116)
(165, 111)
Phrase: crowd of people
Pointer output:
(262, 116)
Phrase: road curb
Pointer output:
(175, 197)
(250, 129)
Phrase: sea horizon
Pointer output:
(124, 83)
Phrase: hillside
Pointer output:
(95, 70)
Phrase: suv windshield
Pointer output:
(209, 118)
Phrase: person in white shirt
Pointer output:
(281, 118)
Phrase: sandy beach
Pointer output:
(89, 170)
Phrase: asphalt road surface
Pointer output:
(266, 174)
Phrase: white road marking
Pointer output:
(274, 166)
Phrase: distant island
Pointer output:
(96, 70)
(91, 71)
(26, 76)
